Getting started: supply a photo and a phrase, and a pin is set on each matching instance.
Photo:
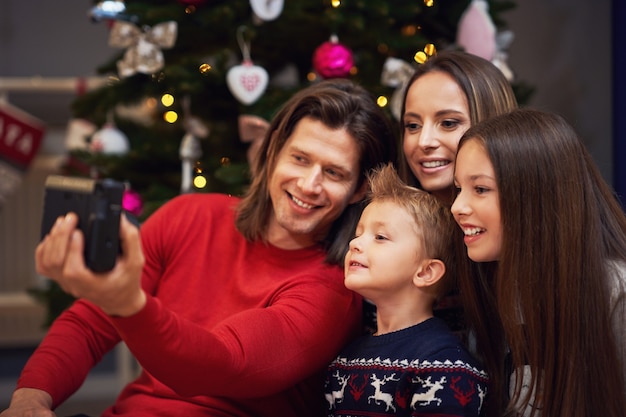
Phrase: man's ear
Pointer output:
(359, 194)
(429, 273)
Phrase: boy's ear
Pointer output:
(360, 192)
(429, 273)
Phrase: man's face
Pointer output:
(314, 179)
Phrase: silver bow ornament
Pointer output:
(144, 46)
(396, 73)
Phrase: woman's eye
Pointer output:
(481, 190)
(411, 126)
(450, 124)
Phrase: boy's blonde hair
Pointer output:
(434, 222)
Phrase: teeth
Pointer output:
(434, 164)
(473, 231)
(301, 203)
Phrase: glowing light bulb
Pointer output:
(199, 181)
(170, 116)
(167, 100)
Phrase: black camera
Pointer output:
(98, 204)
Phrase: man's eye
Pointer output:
(333, 173)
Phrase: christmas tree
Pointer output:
(196, 79)
(204, 42)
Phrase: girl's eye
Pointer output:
(380, 237)
(481, 190)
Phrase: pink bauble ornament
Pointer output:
(132, 203)
(332, 59)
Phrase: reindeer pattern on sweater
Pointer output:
(423, 370)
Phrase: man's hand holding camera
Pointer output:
(60, 257)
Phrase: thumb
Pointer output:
(129, 239)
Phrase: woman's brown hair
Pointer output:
(548, 297)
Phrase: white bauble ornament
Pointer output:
(247, 82)
(110, 141)
(267, 9)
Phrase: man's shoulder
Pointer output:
(201, 202)
(195, 211)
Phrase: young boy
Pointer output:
(414, 365)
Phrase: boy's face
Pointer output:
(314, 179)
(385, 253)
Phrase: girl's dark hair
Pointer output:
(549, 296)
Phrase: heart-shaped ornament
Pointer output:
(247, 82)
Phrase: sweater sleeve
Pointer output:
(618, 309)
(76, 341)
(254, 353)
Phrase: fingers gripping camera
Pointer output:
(98, 204)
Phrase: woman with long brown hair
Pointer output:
(547, 298)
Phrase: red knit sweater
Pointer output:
(230, 327)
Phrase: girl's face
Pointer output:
(385, 253)
(477, 205)
(436, 116)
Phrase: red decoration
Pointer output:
(332, 59)
(20, 136)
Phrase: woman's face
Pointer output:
(436, 116)
(477, 205)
